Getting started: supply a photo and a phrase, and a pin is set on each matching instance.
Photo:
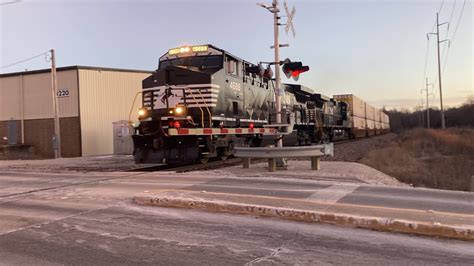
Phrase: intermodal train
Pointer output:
(202, 101)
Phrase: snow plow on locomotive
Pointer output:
(202, 101)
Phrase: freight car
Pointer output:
(202, 101)
(364, 119)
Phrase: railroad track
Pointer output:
(213, 164)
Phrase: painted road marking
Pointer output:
(333, 193)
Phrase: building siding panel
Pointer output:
(105, 97)
(10, 98)
(37, 96)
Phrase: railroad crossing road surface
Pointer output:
(90, 218)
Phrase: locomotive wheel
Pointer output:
(224, 153)
(204, 160)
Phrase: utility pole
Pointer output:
(439, 74)
(421, 113)
(438, 42)
(54, 82)
(427, 102)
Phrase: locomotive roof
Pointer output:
(218, 49)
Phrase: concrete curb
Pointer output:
(365, 222)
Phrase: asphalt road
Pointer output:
(57, 219)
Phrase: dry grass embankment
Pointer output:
(428, 158)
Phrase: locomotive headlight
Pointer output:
(142, 113)
(184, 49)
(179, 110)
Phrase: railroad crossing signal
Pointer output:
(257, 70)
(289, 19)
(294, 69)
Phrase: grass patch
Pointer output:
(431, 158)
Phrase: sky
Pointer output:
(375, 49)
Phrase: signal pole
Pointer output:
(438, 42)
(54, 82)
(276, 45)
(277, 67)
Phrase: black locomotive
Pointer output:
(202, 101)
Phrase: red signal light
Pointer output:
(294, 69)
(251, 125)
(176, 124)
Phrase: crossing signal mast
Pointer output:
(289, 67)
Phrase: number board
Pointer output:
(62, 93)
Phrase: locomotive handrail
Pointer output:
(200, 108)
(203, 100)
(272, 153)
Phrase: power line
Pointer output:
(439, 11)
(441, 7)
(459, 20)
(454, 35)
(11, 2)
(447, 31)
(24, 60)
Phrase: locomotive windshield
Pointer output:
(199, 62)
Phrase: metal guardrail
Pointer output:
(272, 153)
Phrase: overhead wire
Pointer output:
(11, 2)
(24, 60)
(441, 7)
(453, 36)
(447, 47)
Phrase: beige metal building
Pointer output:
(90, 100)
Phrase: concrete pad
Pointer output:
(347, 172)
(429, 223)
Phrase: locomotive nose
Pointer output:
(176, 75)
